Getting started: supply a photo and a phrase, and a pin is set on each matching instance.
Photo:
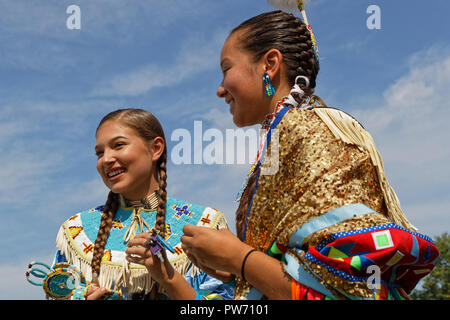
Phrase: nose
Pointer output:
(221, 91)
(108, 157)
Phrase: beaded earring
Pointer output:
(268, 87)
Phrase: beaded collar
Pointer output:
(150, 202)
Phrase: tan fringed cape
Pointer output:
(77, 235)
(326, 161)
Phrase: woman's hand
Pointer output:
(95, 293)
(218, 252)
(222, 250)
(139, 252)
(172, 281)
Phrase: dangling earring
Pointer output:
(270, 90)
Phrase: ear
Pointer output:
(273, 60)
(157, 147)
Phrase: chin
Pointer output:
(238, 122)
(117, 189)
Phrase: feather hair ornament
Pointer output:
(292, 6)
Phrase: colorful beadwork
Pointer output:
(180, 211)
(268, 86)
(64, 282)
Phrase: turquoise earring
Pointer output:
(270, 90)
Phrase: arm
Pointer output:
(201, 244)
(172, 281)
(177, 287)
(257, 266)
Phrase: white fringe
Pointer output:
(114, 277)
(135, 278)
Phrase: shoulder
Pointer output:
(92, 214)
(185, 212)
(319, 124)
(299, 122)
(300, 128)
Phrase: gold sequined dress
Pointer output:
(329, 180)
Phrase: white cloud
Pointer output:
(197, 54)
(412, 133)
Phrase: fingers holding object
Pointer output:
(139, 240)
(137, 251)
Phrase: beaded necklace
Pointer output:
(150, 202)
(265, 127)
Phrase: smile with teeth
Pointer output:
(114, 173)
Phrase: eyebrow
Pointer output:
(112, 140)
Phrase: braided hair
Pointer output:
(148, 127)
(290, 35)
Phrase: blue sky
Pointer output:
(56, 84)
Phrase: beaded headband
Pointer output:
(292, 6)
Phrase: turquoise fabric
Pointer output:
(326, 220)
(178, 214)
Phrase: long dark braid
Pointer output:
(244, 203)
(162, 193)
(111, 206)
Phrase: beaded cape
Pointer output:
(76, 237)
(322, 209)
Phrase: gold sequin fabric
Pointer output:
(317, 173)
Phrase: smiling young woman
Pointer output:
(242, 87)
(317, 227)
(126, 162)
(110, 243)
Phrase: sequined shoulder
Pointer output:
(298, 123)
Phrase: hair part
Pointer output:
(148, 128)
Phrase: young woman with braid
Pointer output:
(326, 220)
(109, 243)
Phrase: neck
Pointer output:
(148, 202)
(278, 96)
(143, 192)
